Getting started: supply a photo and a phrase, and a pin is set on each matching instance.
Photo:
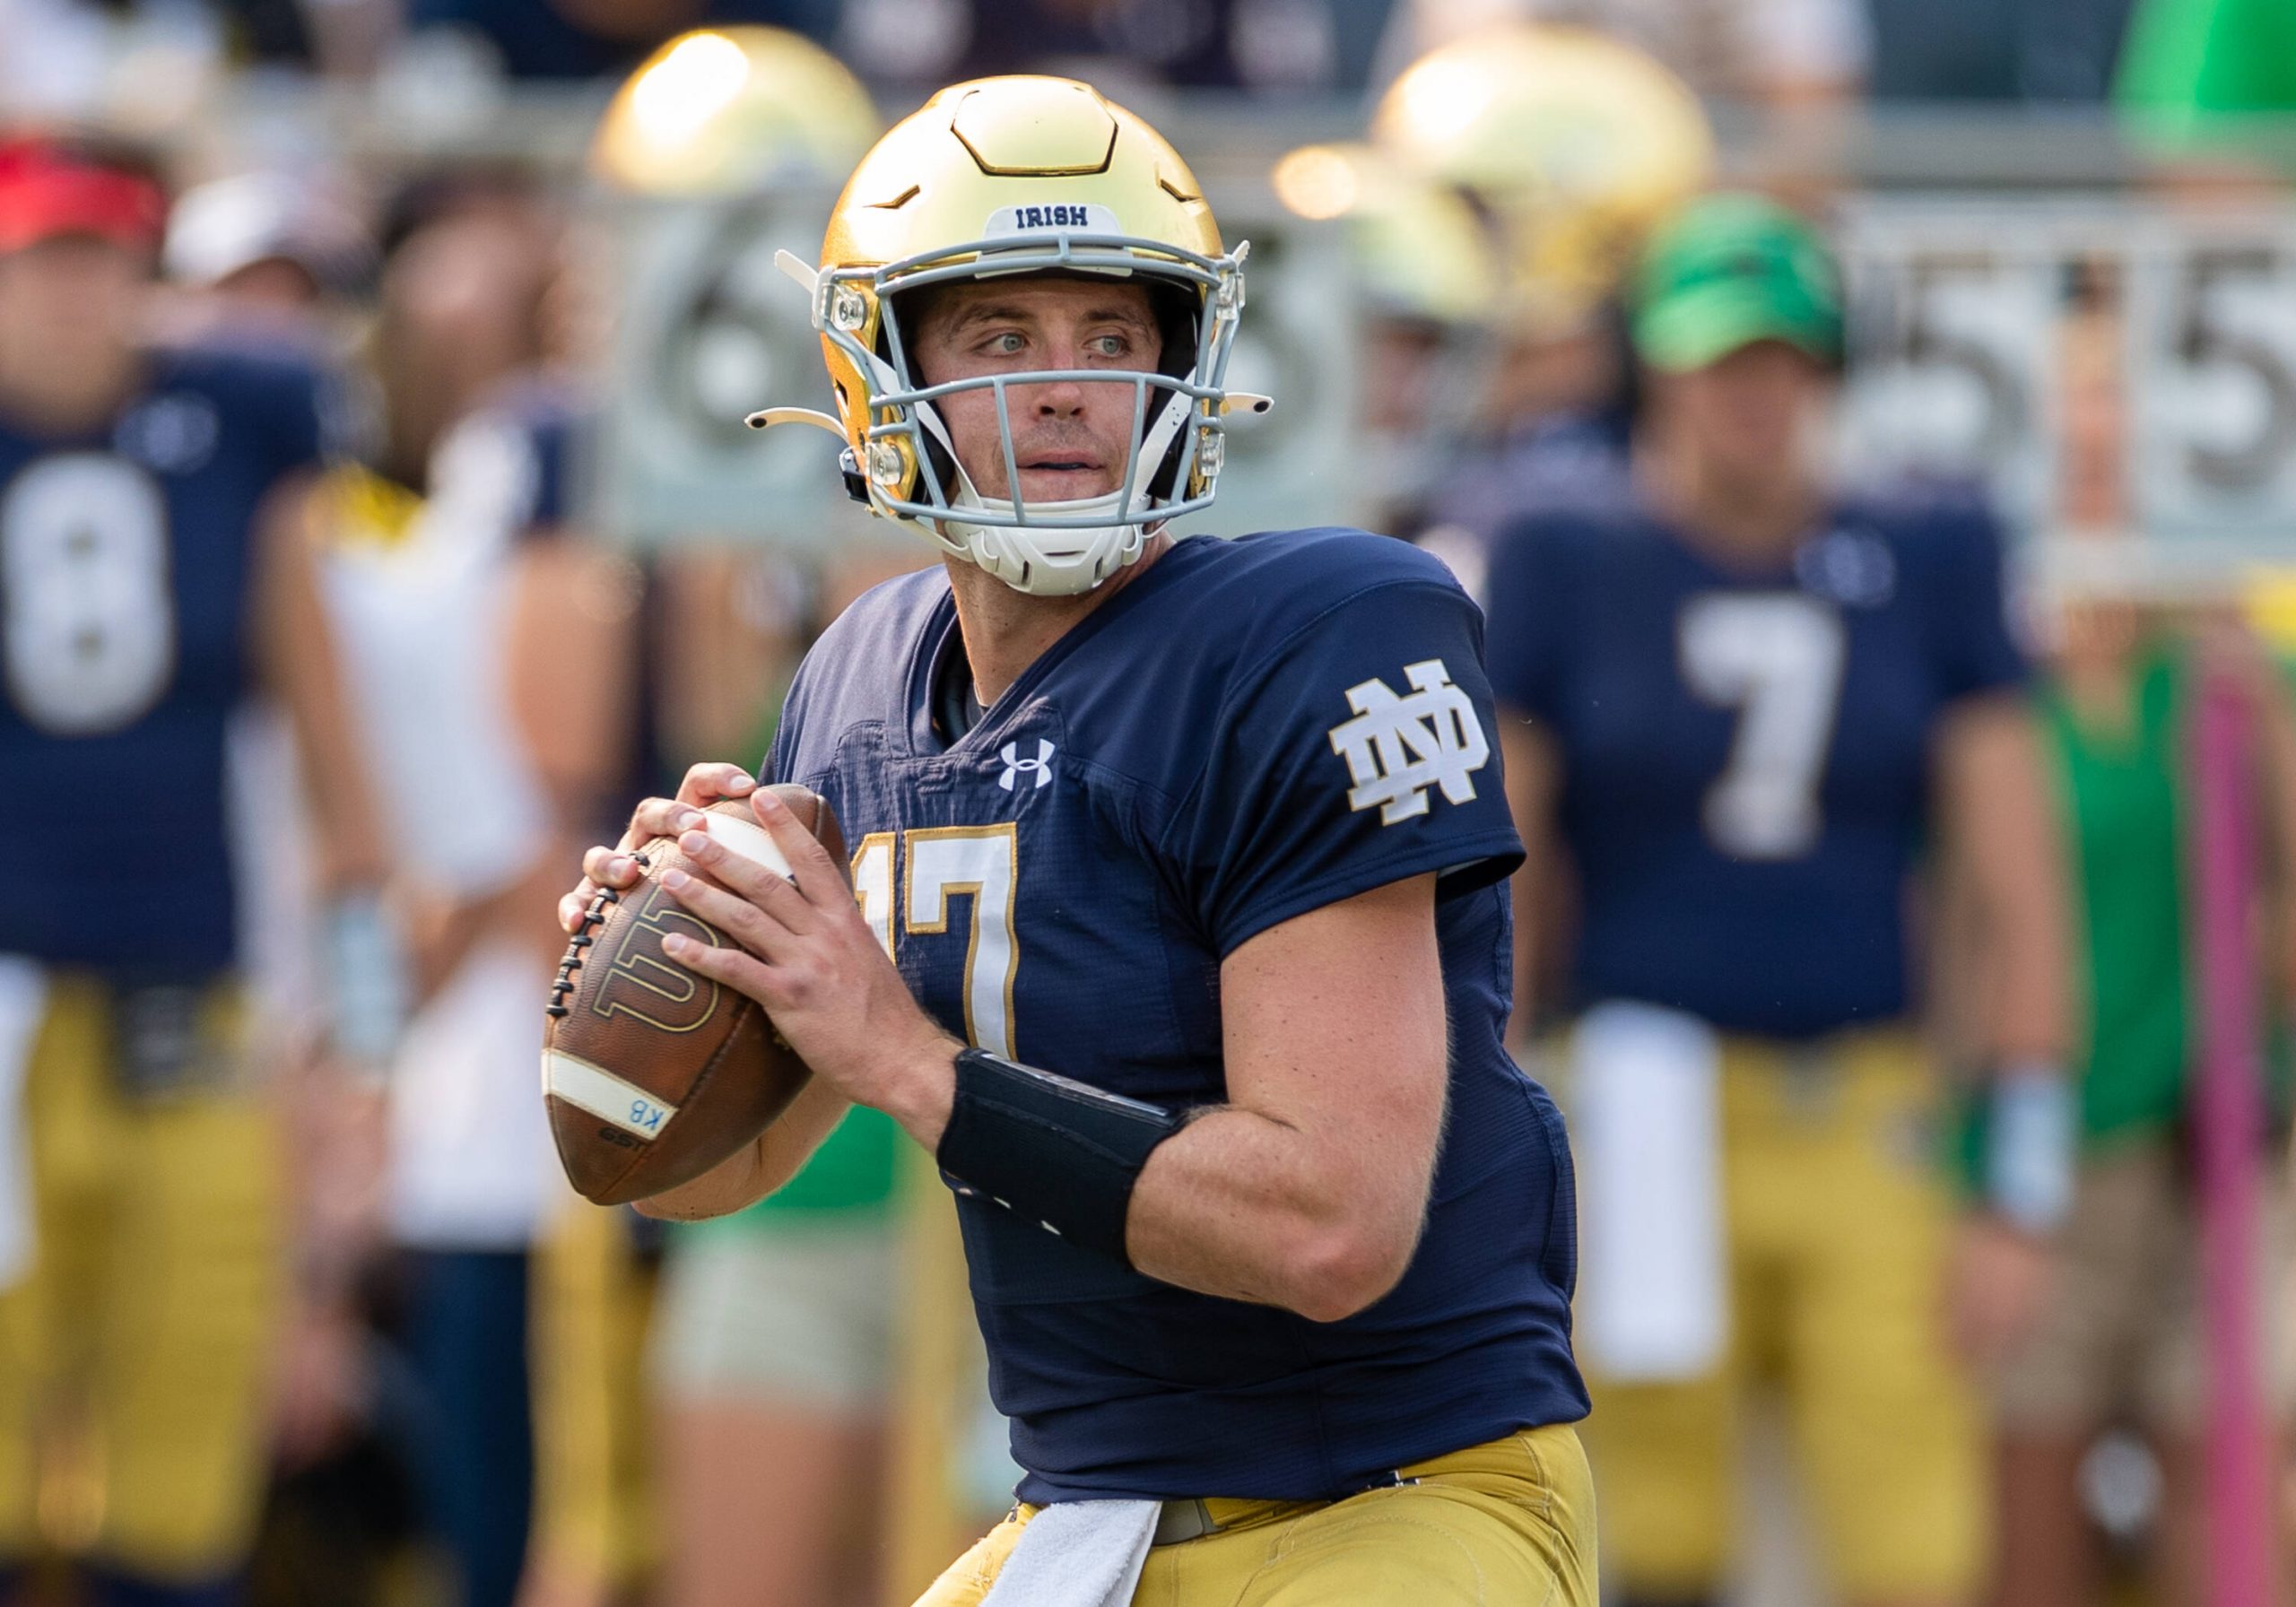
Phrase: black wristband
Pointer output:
(1058, 1153)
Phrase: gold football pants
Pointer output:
(1839, 1220)
(1510, 1522)
(133, 1356)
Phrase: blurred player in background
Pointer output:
(2123, 1339)
(266, 255)
(1566, 147)
(1777, 54)
(492, 656)
(1738, 705)
(157, 578)
(2122, 1342)
(773, 1346)
(1271, 1336)
(1427, 273)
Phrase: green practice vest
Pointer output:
(2129, 834)
(2125, 832)
(849, 1178)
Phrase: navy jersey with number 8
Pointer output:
(127, 570)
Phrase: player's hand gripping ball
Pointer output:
(652, 1073)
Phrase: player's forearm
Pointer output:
(736, 1182)
(2022, 959)
(297, 652)
(2002, 810)
(1533, 780)
(759, 1168)
(1241, 1206)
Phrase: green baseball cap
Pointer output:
(1729, 270)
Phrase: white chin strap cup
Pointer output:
(1062, 561)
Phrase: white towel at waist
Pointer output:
(1646, 1122)
(1078, 1554)
(24, 1001)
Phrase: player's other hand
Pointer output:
(810, 958)
(604, 867)
(1998, 1283)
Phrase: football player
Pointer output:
(774, 1343)
(1572, 146)
(1736, 706)
(1175, 926)
(494, 734)
(154, 579)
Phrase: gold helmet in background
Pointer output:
(1573, 145)
(1419, 249)
(726, 110)
(1023, 175)
(1425, 266)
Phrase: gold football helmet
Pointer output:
(726, 110)
(1574, 144)
(1023, 174)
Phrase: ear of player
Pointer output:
(1023, 175)
(653, 1074)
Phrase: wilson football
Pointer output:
(652, 1073)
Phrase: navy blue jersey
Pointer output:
(126, 563)
(546, 419)
(1565, 458)
(1746, 755)
(1246, 732)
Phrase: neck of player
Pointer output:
(59, 385)
(1005, 631)
(1739, 510)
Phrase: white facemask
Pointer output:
(1064, 561)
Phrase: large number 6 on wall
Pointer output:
(90, 620)
(946, 862)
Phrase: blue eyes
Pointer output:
(1013, 345)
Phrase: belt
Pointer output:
(1192, 1519)
(1183, 1520)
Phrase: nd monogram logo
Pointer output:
(1396, 748)
(639, 982)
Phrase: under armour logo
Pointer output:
(1396, 748)
(1014, 764)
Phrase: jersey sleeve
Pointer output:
(302, 429)
(1360, 751)
(1527, 613)
(1978, 650)
(308, 416)
(782, 752)
(552, 439)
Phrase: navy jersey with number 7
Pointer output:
(1746, 752)
(1248, 731)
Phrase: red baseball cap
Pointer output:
(47, 190)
